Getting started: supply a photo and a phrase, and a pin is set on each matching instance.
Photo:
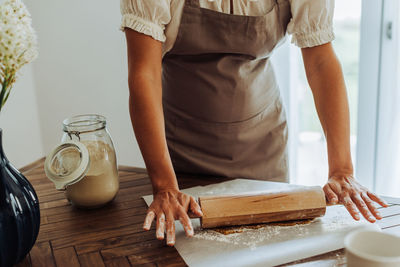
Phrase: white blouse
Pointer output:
(311, 22)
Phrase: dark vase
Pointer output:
(19, 213)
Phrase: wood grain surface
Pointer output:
(113, 235)
(291, 204)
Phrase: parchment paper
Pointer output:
(269, 245)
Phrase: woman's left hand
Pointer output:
(344, 189)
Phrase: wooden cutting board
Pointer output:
(262, 245)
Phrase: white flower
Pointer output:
(18, 44)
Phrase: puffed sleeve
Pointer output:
(311, 22)
(146, 16)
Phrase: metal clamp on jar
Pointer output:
(84, 164)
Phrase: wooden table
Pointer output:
(113, 235)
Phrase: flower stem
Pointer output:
(6, 87)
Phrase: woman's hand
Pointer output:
(326, 80)
(168, 206)
(344, 189)
(145, 105)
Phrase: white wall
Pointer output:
(19, 120)
(82, 69)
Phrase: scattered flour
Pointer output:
(252, 237)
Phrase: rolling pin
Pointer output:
(285, 205)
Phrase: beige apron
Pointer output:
(222, 105)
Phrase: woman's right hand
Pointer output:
(170, 205)
(145, 105)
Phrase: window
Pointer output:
(379, 124)
(311, 156)
(368, 46)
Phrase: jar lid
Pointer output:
(67, 164)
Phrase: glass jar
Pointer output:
(85, 164)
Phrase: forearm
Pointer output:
(145, 106)
(327, 83)
(148, 123)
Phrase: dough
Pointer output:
(240, 229)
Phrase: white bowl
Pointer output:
(366, 248)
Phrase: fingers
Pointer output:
(186, 223)
(363, 208)
(195, 207)
(160, 226)
(371, 206)
(148, 220)
(166, 208)
(330, 196)
(377, 199)
(170, 230)
(351, 207)
(184, 200)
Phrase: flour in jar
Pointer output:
(101, 183)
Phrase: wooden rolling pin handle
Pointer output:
(290, 204)
(192, 215)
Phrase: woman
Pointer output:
(204, 100)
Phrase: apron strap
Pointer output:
(195, 3)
